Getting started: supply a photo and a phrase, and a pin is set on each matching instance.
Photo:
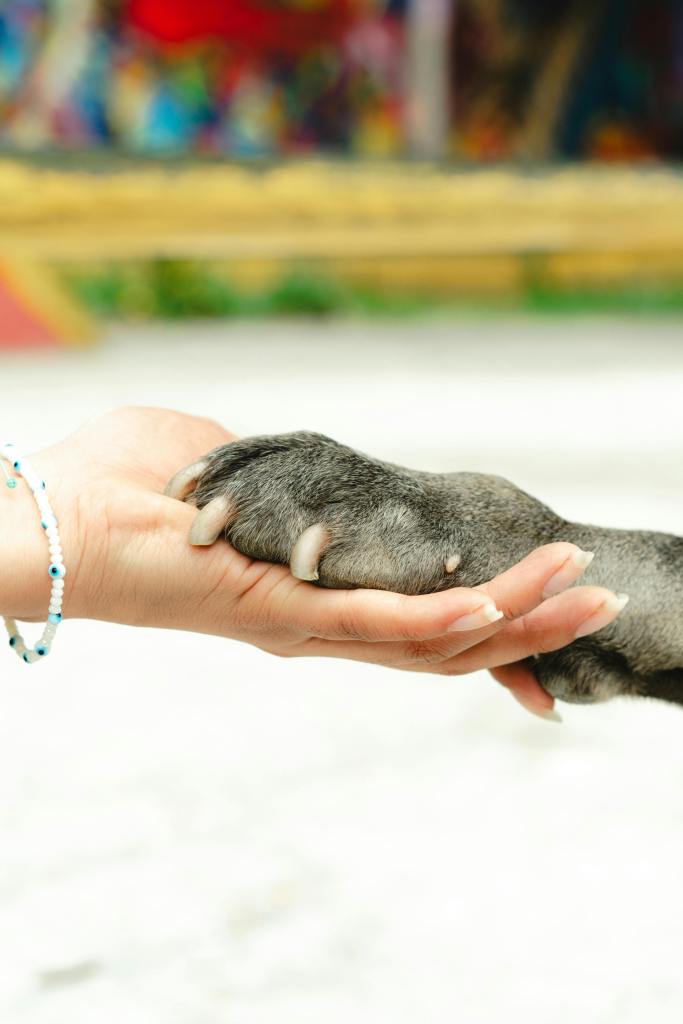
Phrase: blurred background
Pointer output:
(446, 233)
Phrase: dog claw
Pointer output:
(183, 483)
(211, 521)
(452, 563)
(303, 562)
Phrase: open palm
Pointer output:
(130, 561)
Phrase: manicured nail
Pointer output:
(603, 616)
(483, 616)
(548, 714)
(568, 572)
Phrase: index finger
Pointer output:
(378, 615)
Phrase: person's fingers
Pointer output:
(552, 625)
(545, 572)
(526, 689)
(459, 612)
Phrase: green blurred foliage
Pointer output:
(169, 289)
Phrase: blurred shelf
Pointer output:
(588, 220)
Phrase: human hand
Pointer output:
(129, 561)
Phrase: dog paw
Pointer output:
(335, 516)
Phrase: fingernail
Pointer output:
(568, 572)
(548, 714)
(603, 616)
(483, 616)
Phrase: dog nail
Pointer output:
(303, 562)
(211, 521)
(603, 616)
(483, 616)
(183, 483)
(568, 572)
(452, 563)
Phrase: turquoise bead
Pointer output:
(42, 650)
(11, 484)
(55, 617)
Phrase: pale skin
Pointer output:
(129, 560)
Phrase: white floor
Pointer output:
(195, 833)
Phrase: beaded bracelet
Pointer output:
(56, 570)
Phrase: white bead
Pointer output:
(52, 532)
(31, 478)
(58, 586)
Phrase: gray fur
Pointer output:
(394, 529)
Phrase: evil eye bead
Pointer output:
(57, 570)
(48, 522)
(42, 650)
(55, 617)
(13, 641)
(16, 465)
(29, 657)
